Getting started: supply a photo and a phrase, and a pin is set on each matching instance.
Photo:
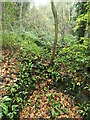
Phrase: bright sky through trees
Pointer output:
(41, 2)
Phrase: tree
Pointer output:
(63, 24)
(56, 30)
(81, 11)
(21, 16)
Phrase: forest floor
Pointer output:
(46, 101)
(9, 71)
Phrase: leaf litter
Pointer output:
(44, 102)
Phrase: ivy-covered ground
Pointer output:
(47, 102)
(32, 89)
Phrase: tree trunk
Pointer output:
(81, 31)
(21, 7)
(63, 25)
(56, 30)
(82, 24)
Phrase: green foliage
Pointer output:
(5, 105)
(57, 109)
(34, 48)
(84, 109)
(36, 45)
(10, 40)
(18, 92)
(74, 54)
(29, 46)
(82, 9)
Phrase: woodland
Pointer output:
(45, 60)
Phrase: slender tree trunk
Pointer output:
(21, 16)
(3, 24)
(82, 25)
(0, 18)
(56, 30)
(63, 24)
(88, 26)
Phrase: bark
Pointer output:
(3, 25)
(82, 25)
(88, 26)
(81, 31)
(63, 25)
(56, 30)
(21, 16)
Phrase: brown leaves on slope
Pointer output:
(39, 104)
(9, 70)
